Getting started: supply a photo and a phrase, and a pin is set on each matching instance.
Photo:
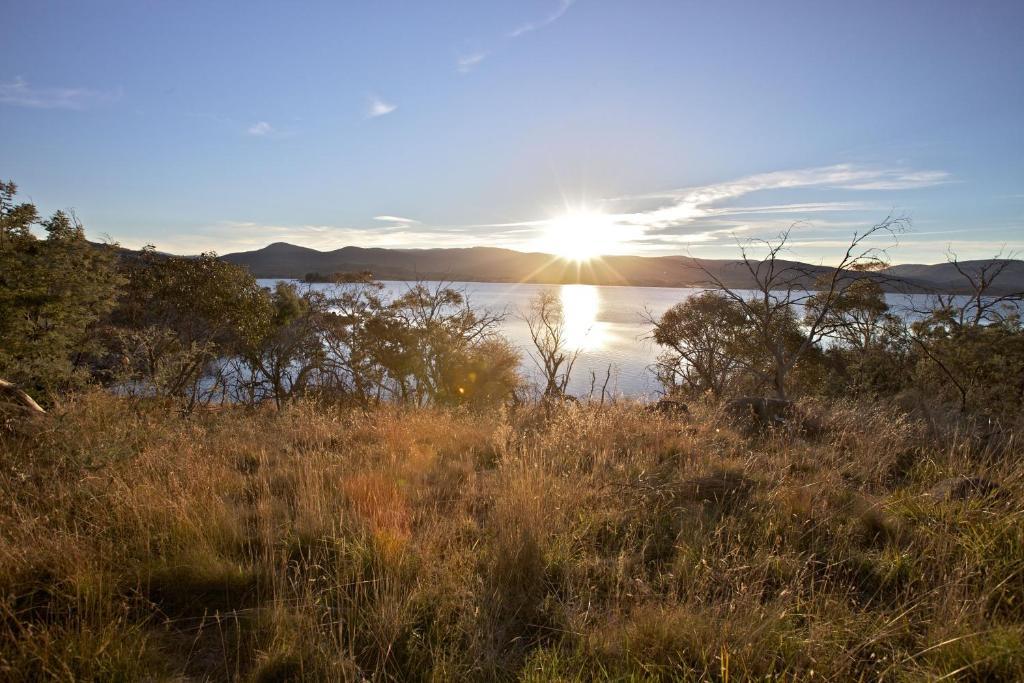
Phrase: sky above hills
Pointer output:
(641, 127)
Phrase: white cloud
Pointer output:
(260, 129)
(900, 180)
(465, 63)
(20, 93)
(395, 219)
(798, 208)
(379, 107)
(690, 204)
(563, 7)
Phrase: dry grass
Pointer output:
(326, 544)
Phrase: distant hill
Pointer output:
(490, 264)
(946, 277)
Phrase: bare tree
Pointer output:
(952, 322)
(781, 287)
(604, 384)
(986, 301)
(552, 352)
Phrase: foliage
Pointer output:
(778, 343)
(428, 345)
(867, 340)
(716, 346)
(55, 293)
(703, 336)
(282, 359)
(971, 349)
(980, 367)
(177, 316)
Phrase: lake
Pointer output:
(605, 323)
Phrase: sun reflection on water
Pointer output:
(580, 305)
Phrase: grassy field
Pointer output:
(316, 543)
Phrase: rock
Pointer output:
(762, 413)
(963, 488)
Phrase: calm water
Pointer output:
(605, 323)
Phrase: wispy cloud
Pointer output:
(797, 208)
(689, 204)
(21, 93)
(465, 63)
(395, 219)
(379, 107)
(260, 129)
(900, 180)
(563, 7)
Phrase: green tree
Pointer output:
(702, 338)
(286, 357)
(971, 348)
(55, 295)
(178, 317)
(428, 345)
(779, 343)
(16, 220)
(868, 341)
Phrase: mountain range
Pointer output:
(490, 264)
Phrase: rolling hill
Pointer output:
(490, 264)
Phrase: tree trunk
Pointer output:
(13, 395)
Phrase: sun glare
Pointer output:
(580, 305)
(580, 235)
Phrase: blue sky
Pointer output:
(230, 125)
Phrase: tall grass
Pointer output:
(316, 543)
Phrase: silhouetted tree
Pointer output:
(867, 340)
(552, 352)
(703, 338)
(781, 287)
(428, 345)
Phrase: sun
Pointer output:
(580, 235)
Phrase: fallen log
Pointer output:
(13, 397)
